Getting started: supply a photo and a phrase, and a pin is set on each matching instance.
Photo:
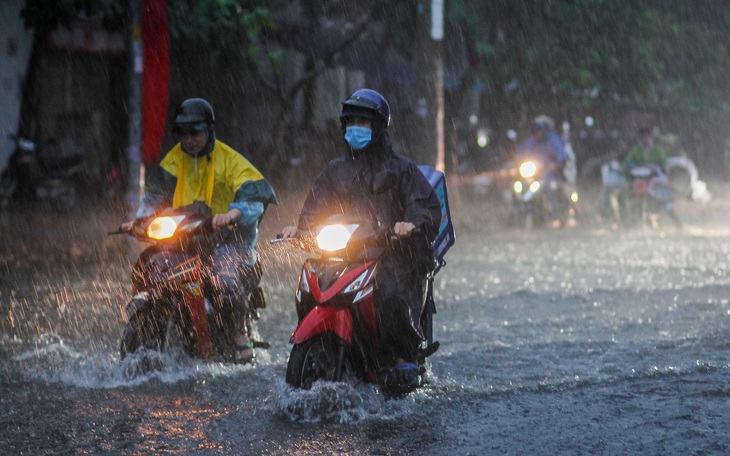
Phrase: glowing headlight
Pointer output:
(334, 237)
(535, 186)
(518, 187)
(528, 169)
(163, 227)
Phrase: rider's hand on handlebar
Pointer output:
(222, 220)
(403, 229)
(289, 232)
(126, 226)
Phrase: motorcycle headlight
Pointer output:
(535, 186)
(528, 169)
(163, 227)
(518, 187)
(334, 237)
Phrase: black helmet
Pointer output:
(196, 114)
(368, 104)
(194, 110)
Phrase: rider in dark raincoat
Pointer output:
(344, 187)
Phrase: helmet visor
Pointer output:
(349, 111)
(187, 129)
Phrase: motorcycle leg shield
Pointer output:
(322, 319)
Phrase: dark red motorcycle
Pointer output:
(171, 283)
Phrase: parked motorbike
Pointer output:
(338, 329)
(28, 178)
(171, 309)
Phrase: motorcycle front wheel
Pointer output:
(142, 331)
(312, 360)
(151, 328)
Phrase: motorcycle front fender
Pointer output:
(322, 319)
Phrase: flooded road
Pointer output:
(584, 341)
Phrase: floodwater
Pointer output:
(578, 341)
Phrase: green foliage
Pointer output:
(229, 28)
(669, 52)
(222, 27)
(653, 52)
(216, 23)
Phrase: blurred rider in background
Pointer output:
(647, 152)
(201, 171)
(550, 148)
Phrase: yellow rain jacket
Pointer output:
(222, 180)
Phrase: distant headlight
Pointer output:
(528, 169)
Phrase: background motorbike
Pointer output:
(649, 195)
(28, 177)
(171, 309)
(530, 203)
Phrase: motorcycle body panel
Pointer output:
(322, 319)
(349, 290)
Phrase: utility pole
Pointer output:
(134, 107)
(430, 83)
(437, 35)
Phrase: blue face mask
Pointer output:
(358, 137)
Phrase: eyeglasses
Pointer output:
(182, 130)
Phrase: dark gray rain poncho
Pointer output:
(344, 187)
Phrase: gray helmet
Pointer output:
(196, 114)
(194, 110)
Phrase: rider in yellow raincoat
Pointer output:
(203, 172)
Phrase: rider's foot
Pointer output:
(406, 375)
(244, 352)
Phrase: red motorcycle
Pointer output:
(338, 331)
(170, 309)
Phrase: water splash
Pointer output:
(337, 402)
(53, 360)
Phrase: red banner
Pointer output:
(155, 77)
